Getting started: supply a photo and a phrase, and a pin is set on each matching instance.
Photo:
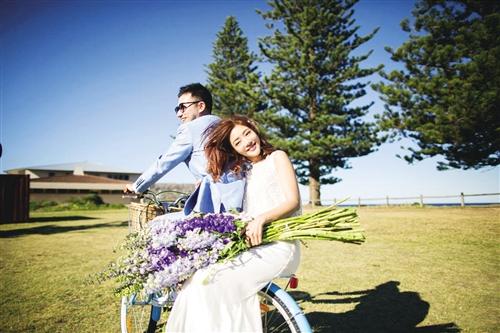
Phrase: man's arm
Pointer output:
(178, 152)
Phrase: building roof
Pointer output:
(85, 166)
(78, 179)
(74, 182)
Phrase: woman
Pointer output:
(223, 297)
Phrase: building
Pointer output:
(63, 188)
(61, 182)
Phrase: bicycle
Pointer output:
(143, 312)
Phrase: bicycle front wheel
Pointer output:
(138, 315)
(280, 312)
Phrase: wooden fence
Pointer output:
(420, 200)
(14, 198)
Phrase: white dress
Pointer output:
(223, 297)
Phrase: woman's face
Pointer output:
(245, 142)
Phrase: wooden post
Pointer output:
(387, 200)
(421, 200)
(14, 198)
(462, 199)
(359, 202)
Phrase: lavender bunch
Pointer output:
(179, 248)
(167, 253)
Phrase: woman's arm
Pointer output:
(288, 184)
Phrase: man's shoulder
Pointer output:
(202, 122)
(208, 119)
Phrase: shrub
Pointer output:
(37, 205)
(91, 199)
(89, 202)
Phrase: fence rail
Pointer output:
(420, 199)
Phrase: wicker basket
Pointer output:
(141, 213)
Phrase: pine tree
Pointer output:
(447, 97)
(312, 86)
(232, 77)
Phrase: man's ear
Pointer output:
(202, 108)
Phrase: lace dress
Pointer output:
(223, 297)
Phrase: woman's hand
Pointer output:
(253, 230)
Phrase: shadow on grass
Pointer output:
(55, 229)
(382, 309)
(59, 218)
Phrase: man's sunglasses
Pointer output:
(185, 105)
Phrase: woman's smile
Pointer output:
(251, 146)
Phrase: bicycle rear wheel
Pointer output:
(138, 315)
(280, 312)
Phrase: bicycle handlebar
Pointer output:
(154, 197)
(131, 196)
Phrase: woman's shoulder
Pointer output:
(279, 159)
(278, 154)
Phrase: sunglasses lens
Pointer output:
(185, 105)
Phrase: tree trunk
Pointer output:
(314, 184)
(314, 195)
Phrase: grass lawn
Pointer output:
(421, 270)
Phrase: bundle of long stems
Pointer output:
(330, 223)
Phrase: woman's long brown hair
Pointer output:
(220, 154)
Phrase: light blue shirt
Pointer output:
(187, 147)
(216, 197)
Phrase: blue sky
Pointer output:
(97, 81)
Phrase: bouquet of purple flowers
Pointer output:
(166, 253)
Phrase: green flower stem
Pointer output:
(328, 223)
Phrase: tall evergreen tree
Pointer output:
(313, 85)
(232, 76)
(447, 97)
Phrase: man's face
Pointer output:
(189, 108)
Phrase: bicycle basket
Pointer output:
(141, 213)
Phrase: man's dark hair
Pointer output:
(200, 92)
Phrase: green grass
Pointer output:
(421, 270)
(44, 264)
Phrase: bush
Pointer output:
(89, 202)
(37, 205)
(91, 199)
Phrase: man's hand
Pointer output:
(128, 189)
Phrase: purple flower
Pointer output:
(169, 252)
(220, 223)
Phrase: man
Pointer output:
(194, 111)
